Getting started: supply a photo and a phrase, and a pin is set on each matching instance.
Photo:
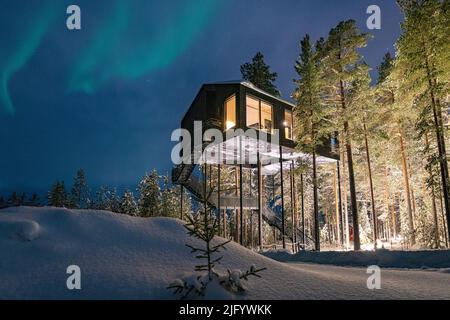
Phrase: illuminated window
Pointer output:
(288, 125)
(230, 113)
(266, 117)
(252, 113)
(258, 110)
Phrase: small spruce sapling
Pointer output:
(204, 226)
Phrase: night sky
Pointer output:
(106, 98)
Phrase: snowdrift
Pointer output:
(122, 257)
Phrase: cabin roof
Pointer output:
(244, 83)
(250, 85)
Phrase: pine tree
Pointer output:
(340, 64)
(22, 199)
(13, 200)
(169, 204)
(107, 199)
(128, 204)
(149, 195)
(34, 200)
(187, 202)
(258, 73)
(399, 117)
(57, 196)
(2, 203)
(312, 125)
(365, 119)
(101, 199)
(80, 191)
(423, 59)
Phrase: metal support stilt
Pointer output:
(181, 202)
(282, 200)
(260, 203)
(340, 202)
(303, 212)
(241, 203)
(218, 199)
(291, 180)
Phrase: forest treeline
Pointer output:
(154, 196)
(392, 130)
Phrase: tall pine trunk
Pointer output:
(345, 199)
(407, 186)
(336, 201)
(351, 174)
(433, 198)
(372, 197)
(316, 204)
(443, 218)
(439, 128)
(387, 196)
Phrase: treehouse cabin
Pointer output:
(257, 144)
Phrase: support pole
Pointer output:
(181, 202)
(260, 202)
(295, 206)
(241, 208)
(282, 199)
(303, 212)
(241, 203)
(316, 205)
(205, 181)
(218, 197)
(341, 227)
(291, 178)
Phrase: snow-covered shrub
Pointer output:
(213, 286)
(208, 282)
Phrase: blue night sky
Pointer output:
(106, 98)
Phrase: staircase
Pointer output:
(183, 175)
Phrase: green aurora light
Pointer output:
(111, 54)
(127, 44)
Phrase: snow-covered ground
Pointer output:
(431, 259)
(133, 258)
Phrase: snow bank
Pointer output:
(23, 230)
(124, 257)
(384, 258)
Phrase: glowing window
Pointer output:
(230, 113)
(266, 117)
(252, 113)
(288, 125)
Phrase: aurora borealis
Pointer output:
(111, 54)
(108, 51)
(107, 97)
(19, 49)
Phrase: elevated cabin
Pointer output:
(241, 105)
(228, 107)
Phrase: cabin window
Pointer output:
(266, 117)
(230, 112)
(252, 113)
(259, 114)
(288, 125)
